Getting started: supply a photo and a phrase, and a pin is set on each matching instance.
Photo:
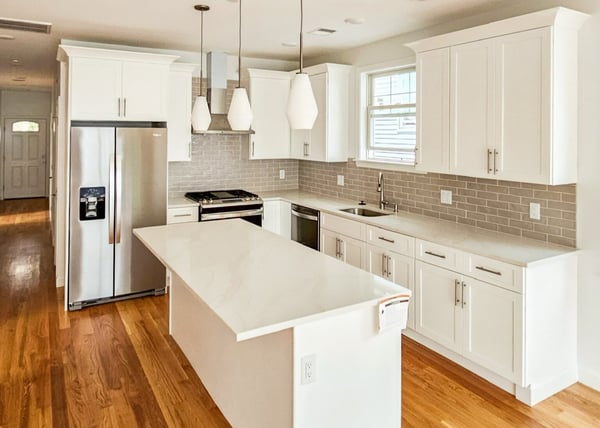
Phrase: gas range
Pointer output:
(241, 197)
(224, 204)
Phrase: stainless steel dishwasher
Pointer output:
(305, 226)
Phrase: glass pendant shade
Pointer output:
(240, 113)
(302, 108)
(200, 115)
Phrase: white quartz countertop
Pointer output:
(258, 282)
(499, 246)
(181, 202)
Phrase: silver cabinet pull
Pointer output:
(383, 268)
(388, 263)
(252, 148)
(337, 248)
(494, 272)
(489, 154)
(341, 252)
(124, 107)
(190, 150)
(391, 241)
(457, 292)
(462, 295)
(441, 256)
(182, 215)
(416, 156)
(119, 107)
(495, 159)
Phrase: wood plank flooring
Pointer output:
(115, 365)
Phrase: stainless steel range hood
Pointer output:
(217, 96)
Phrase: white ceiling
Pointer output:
(176, 25)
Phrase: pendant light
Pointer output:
(302, 108)
(240, 113)
(200, 114)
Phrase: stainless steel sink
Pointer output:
(364, 212)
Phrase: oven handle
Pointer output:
(305, 216)
(232, 214)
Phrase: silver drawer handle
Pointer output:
(441, 256)
(391, 241)
(495, 272)
(182, 215)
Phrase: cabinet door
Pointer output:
(95, 89)
(300, 144)
(471, 108)
(436, 309)
(145, 91)
(523, 82)
(492, 326)
(396, 268)
(179, 122)
(433, 83)
(271, 216)
(329, 243)
(317, 149)
(268, 98)
(352, 251)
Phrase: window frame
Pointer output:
(362, 116)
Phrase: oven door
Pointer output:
(251, 213)
(305, 226)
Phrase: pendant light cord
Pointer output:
(201, 47)
(301, 27)
(240, 49)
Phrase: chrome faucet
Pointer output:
(382, 201)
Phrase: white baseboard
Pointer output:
(534, 394)
(589, 378)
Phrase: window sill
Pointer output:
(387, 166)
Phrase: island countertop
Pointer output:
(260, 283)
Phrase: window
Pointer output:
(25, 126)
(391, 116)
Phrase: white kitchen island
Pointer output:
(280, 335)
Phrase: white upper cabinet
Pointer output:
(433, 80)
(268, 97)
(512, 110)
(327, 141)
(116, 85)
(179, 112)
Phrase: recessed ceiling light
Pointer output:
(322, 32)
(289, 44)
(355, 21)
(15, 61)
(6, 37)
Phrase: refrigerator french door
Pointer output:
(118, 182)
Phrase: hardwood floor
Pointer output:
(115, 365)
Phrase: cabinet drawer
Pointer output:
(182, 215)
(439, 255)
(391, 241)
(494, 272)
(351, 228)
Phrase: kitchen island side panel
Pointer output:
(250, 381)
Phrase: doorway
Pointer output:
(24, 158)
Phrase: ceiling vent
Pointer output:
(21, 25)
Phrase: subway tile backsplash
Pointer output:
(497, 205)
(220, 162)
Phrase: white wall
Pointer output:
(588, 203)
(588, 187)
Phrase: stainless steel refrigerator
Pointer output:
(118, 181)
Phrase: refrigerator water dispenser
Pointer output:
(92, 203)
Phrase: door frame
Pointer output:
(4, 123)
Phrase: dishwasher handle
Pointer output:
(305, 216)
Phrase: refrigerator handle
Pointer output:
(111, 198)
(118, 199)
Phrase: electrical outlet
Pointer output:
(282, 174)
(308, 370)
(340, 180)
(446, 197)
(534, 211)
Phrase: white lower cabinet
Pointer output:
(344, 248)
(182, 214)
(277, 217)
(395, 267)
(478, 320)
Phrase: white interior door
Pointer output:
(24, 158)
